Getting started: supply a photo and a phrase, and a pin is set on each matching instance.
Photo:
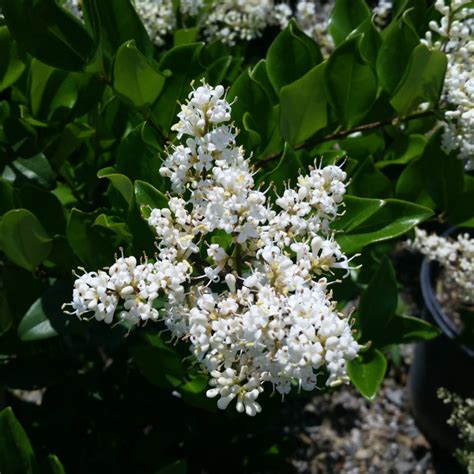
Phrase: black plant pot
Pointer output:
(442, 362)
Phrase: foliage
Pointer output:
(86, 110)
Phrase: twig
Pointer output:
(345, 133)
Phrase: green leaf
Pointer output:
(185, 36)
(367, 371)
(23, 239)
(357, 210)
(291, 55)
(49, 33)
(346, 17)
(55, 466)
(442, 174)
(370, 42)
(393, 219)
(148, 195)
(45, 206)
(12, 62)
(93, 248)
(288, 169)
(304, 106)
(184, 63)
(403, 150)
(351, 83)
(158, 362)
(422, 81)
(51, 90)
(45, 317)
(120, 229)
(135, 80)
(114, 22)
(252, 109)
(407, 329)
(368, 181)
(399, 40)
(7, 201)
(119, 181)
(35, 325)
(35, 169)
(378, 303)
(16, 454)
(408, 185)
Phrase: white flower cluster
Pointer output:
(313, 18)
(455, 256)
(75, 7)
(243, 20)
(382, 11)
(257, 309)
(455, 32)
(158, 17)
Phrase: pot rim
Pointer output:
(431, 301)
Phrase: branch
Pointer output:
(345, 133)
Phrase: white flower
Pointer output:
(455, 31)
(256, 310)
(456, 256)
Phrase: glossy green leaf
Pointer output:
(185, 36)
(403, 150)
(291, 55)
(36, 170)
(23, 239)
(135, 80)
(370, 42)
(45, 206)
(93, 248)
(351, 83)
(407, 329)
(399, 40)
(115, 22)
(367, 371)
(35, 325)
(304, 106)
(378, 303)
(138, 157)
(357, 210)
(422, 81)
(158, 362)
(287, 169)
(368, 181)
(442, 174)
(12, 62)
(55, 466)
(120, 229)
(408, 185)
(184, 64)
(45, 318)
(49, 33)
(119, 181)
(16, 453)
(252, 109)
(393, 219)
(148, 196)
(51, 90)
(7, 201)
(346, 17)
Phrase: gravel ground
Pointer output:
(342, 432)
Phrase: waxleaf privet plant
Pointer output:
(227, 185)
